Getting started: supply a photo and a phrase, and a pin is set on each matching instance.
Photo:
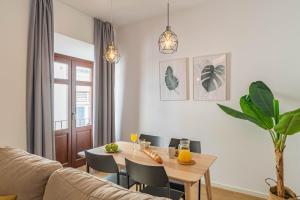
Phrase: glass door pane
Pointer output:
(61, 106)
(60, 70)
(83, 105)
(83, 74)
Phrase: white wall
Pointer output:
(13, 54)
(72, 23)
(263, 39)
(14, 21)
(71, 47)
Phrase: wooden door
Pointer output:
(73, 83)
(62, 109)
(82, 109)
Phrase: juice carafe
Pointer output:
(185, 154)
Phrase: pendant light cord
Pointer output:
(111, 21)
(168, 13)
(111, 11)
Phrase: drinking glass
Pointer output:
(172, 152)
(134, 139)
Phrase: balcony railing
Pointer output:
(59, 125)
(63, 124)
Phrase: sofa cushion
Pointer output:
(72, 184)
(24, 174)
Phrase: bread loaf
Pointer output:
(153, 155)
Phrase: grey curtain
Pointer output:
(104, 116)
(40, 136)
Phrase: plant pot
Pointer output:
(289, 194)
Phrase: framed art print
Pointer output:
(173, 80)
(210, 79)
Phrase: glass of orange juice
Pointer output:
(134, 139)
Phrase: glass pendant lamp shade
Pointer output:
(168, 41)
(112, 54)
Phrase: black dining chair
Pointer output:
(107, 164)
(174, 142)
(154, 179)
(195, 146)
(155, 140)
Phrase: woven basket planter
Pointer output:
(289, 194)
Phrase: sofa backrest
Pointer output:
(24, 174)
(72, 184)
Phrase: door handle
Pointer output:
(73, 116)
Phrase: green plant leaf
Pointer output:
(276, 110)
(262, 97)
(250, 109)
(232, 112)
(289, 123)
(240, 115)
(171, 80)
(290, 112)
(212, 76)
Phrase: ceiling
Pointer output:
(128, 11)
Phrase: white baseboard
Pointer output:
(240, 190)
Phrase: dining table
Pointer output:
(189, 175)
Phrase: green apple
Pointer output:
(108, 147)
(114, 147)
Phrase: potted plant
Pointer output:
(261, 108)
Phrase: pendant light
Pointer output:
(112, 54)
(168, 41)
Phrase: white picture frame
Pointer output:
(173, 76)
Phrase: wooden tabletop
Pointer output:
(174, 170)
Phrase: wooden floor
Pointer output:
(218, 194)
(221, 194)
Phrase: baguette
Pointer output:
(153, 155)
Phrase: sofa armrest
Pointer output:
(24, 174)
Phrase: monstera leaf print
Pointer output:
(171, 80)
(212, 77)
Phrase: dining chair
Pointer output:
(107, 164)
(155, 140)
(154, 178)
(195, 146)
(174, 142)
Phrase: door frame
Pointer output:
(72, 62)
